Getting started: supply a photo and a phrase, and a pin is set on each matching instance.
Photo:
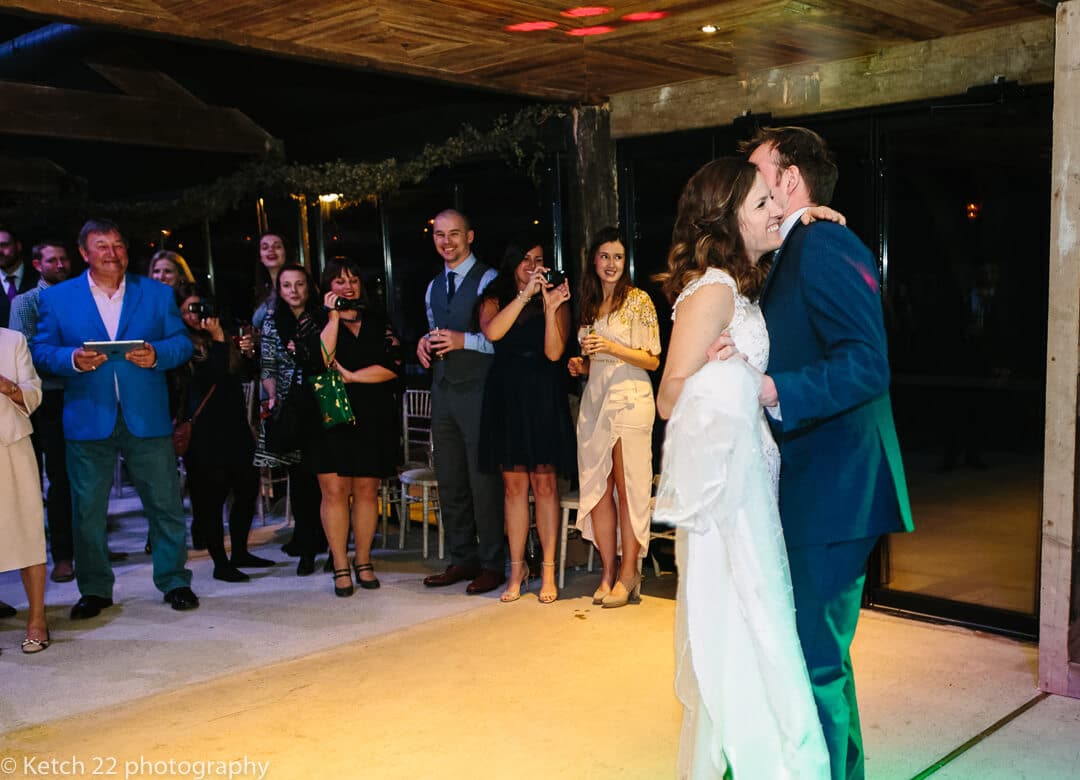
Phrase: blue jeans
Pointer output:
(152, 466)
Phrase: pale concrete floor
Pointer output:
(407, 683)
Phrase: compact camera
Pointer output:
(202, 309)
(554, 277)
(349, 304)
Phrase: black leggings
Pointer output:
(210, 485)
(306, 500)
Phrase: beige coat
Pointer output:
(22, 521)
(16, 365)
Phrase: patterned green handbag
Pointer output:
(334, 406)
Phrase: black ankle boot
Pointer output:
(306, 566)
(226, 572)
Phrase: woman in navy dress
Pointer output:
(525, 428)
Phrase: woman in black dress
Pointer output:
(352, 460)
(218, 459)
(525, 428)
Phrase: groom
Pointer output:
(827, 395)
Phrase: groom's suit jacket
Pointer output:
(69, 317)
(841, 475)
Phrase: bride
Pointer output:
(748, 708)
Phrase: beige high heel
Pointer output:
(547, 598)
(509, 595)
(600, 593)
(621, 594)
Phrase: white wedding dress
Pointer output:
(748, 708)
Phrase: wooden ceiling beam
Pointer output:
(132, 76)
(916, 71)
(37, 175)
(34, 110)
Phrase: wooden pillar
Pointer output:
(593, 195)
(1057, 671)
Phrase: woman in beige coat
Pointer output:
(22, 518)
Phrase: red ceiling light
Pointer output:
(645, 16)
(583, 31)
(530, 26)
(586, 10)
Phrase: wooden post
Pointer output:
(593, 193)
(1057, 672)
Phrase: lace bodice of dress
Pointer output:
(747, 324)
(751, 337)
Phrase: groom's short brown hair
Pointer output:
(804, 149)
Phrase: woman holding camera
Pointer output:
(525, 429)
(219, 456)
(620, 344)
(285, 358)
(352, 460)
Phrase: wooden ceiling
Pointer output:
(466, 41)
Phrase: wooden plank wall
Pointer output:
(1057, 674)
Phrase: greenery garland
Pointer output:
(515, 138)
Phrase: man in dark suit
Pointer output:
(827, 395)
(15, 276)
(460, 356)
(51, 262)
(117, 406)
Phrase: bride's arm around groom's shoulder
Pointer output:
(701, 317)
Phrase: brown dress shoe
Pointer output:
(451, 575)
(486, 580)
(63, 571)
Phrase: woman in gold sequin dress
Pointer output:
(620, 344)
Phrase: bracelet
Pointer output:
(523, 297)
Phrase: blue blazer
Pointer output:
(68, 317)
(841, 476)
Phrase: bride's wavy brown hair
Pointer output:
(706, 232)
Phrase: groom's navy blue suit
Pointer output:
(841, 478)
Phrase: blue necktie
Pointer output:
(450, 288)
(11, 291)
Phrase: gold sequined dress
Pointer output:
(618, 404)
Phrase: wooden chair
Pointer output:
(418, 469)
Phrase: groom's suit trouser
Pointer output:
(828, 593)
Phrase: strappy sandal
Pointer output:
(31, 646)
(509, 595)
(343, 592)
(366, 584)
(547, 598)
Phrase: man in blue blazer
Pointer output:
(827, 395)
(117, 406)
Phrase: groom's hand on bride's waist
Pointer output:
(723, 348)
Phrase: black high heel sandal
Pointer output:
(343, 592)
(366, 584)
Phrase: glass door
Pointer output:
(965, 259)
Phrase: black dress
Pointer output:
(371, 447)
(526, 418)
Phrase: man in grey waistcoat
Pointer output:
(460, 357)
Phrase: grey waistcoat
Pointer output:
(460, 365)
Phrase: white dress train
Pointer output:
(740, 672)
